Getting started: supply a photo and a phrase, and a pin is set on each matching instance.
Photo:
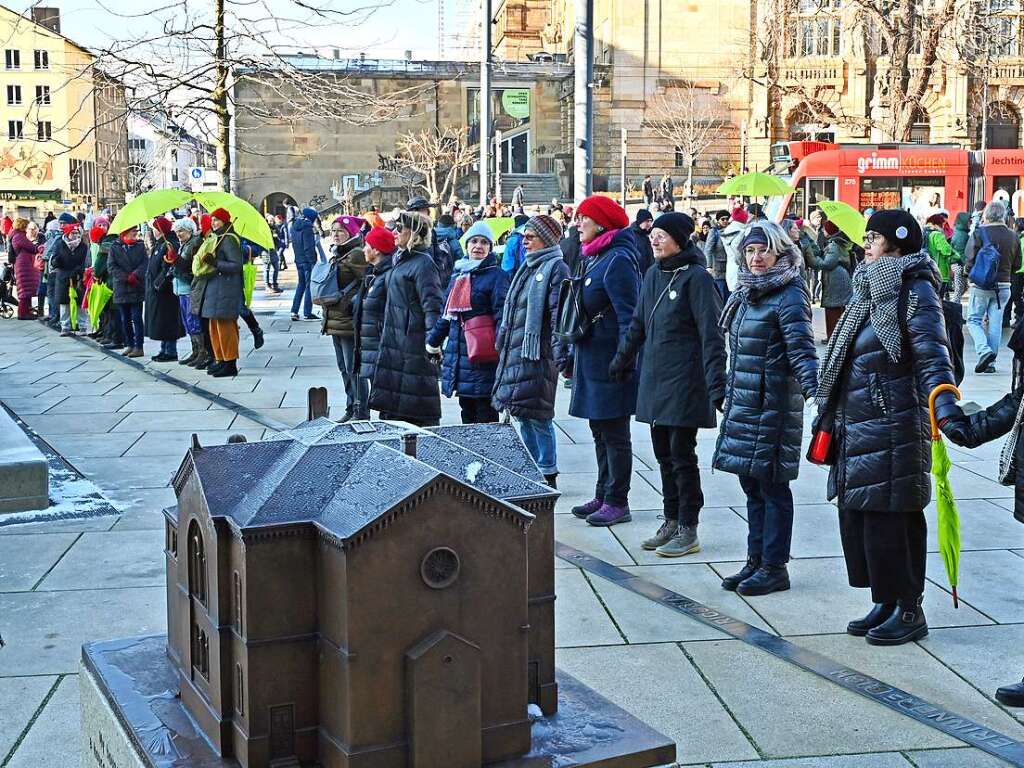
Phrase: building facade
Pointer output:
(59, 126)
(161, 153)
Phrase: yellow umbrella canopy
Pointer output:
(755, 184)
(148, 206)
(246, 220)
(848, 219)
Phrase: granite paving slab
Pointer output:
(580, 619)
(82, 423)
(967, 757)
(722, 533)
(32, 405)
(103, 445)
(984, 578)
(165, 403)
(873, 760)
(26, 558)
(659, 685)
(20, 697)
(177, 443)
(129, 558)
(988, 657)
(132, 472)
(50, 742)
(185, 421)
(108, 403)
(600, 542)
(984, 524)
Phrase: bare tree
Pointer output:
(143, 169)
(440, 156)
(192, 56)
(689, 118)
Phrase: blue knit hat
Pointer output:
(310, 213)
(479, 229)
(67, 218)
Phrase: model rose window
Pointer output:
(440, 568)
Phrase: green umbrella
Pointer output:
(498, 226)
(246, 220)
(755, 184)
(949, 518)
(848, 219)
(148, 206)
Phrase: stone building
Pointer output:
(314, 161)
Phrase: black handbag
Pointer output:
(572, 325)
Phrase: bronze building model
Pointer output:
(364, 594)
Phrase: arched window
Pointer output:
(921, 128)
(1002, 128)
(806, 124)
(196, 562)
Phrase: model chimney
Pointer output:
(409, 444)
(408, 55)
(336, 53)
(46, 16)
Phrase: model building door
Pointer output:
(282, 731)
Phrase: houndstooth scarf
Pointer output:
(876, 296)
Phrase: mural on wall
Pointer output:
(23, 162)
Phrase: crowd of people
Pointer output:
(680, 321)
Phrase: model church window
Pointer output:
(196, 563)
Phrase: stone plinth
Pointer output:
(132, 717)
(24, 473)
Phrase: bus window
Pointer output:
(879, 193)
(820, 189)
(923, 196)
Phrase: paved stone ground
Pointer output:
(723, 702)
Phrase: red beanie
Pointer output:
(381, 239)
(829, 227)
(204, 224)
(163, 224)
(222, 214)
(604, 211)
(740, 215)
(96, 234)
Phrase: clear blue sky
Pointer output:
(387, 33)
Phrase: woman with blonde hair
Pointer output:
(404, 383)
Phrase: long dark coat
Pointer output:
(882, 432)
(488, 286)
(405, 380)
(125, 260)
(527, 388)
(773, 368)
(836, 265)
(222, 296)
(611, 289)
(69, 266)
(368, 311)
(25, 252)
(162, 311)
(683, 370)
(994, 422)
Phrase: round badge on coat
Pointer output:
(588, 281)
(540, 278)
(672, 295)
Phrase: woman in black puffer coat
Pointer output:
(886, 355)
(683, 373)
(368, 306)
(162, 310)
(529, 358)
(404, 383)
(773, 368)
(69, 257)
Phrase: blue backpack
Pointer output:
(986, 263)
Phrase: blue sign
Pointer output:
(197, 173)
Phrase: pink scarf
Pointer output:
(599, 243)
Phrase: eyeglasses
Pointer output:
(870, 237)
(529, 237)
(399, 227)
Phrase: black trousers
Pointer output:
(477, 410)
(614, 448)
(675, 448)
(885, 551)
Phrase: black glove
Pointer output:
(720, 405)
(617, 369)
(957, 429)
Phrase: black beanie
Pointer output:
(899, 227)
(678, 225)
(643, 215)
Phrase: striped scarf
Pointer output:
(876, 297)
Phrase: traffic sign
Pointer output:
(196, 173)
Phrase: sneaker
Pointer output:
(990, 369)
(136, 352)
(311, 317)
(609, 515)
(685, 542)
(766, 579)
(664, 534)
(294, 316)
(68, 333)
(1011, 695)
(586, 510)
(731, 582)
(257, 338)
(112, 345)
(984, 362)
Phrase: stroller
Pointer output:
(8, 296)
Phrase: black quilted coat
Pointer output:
(527, 388)
(405, 380)
(773, 368)
(368, 314)
(882, 432)
(676, 324)
(994, 422)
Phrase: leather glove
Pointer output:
(132, 279)
(720, 405)
(617, 369)
(957, 429)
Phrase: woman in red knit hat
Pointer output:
(161, 310)
(368, 306)
(218, 301)
(610, 287)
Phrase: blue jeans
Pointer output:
(273, 267)
(769, 520)
(539, 436)
(131, 321)
(986, 305)
(302, 291)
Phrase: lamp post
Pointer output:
(583, 98)
(485, 98)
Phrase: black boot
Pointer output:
(226, 369)
(879, 613)
(731, 582)
(1011, 695)
(904, 625)
(214, 366)
(552, 480)
(767, 579)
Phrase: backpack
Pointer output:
(444, 260)
(986, 263)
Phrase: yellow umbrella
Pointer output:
(148, 206)
(246, 220)
(848, 219)
(755, 184)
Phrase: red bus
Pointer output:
(916, 177)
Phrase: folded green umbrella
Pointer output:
(99, 297)
(245, 220)
(148, 206)
(949, 518)
(755, 184)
